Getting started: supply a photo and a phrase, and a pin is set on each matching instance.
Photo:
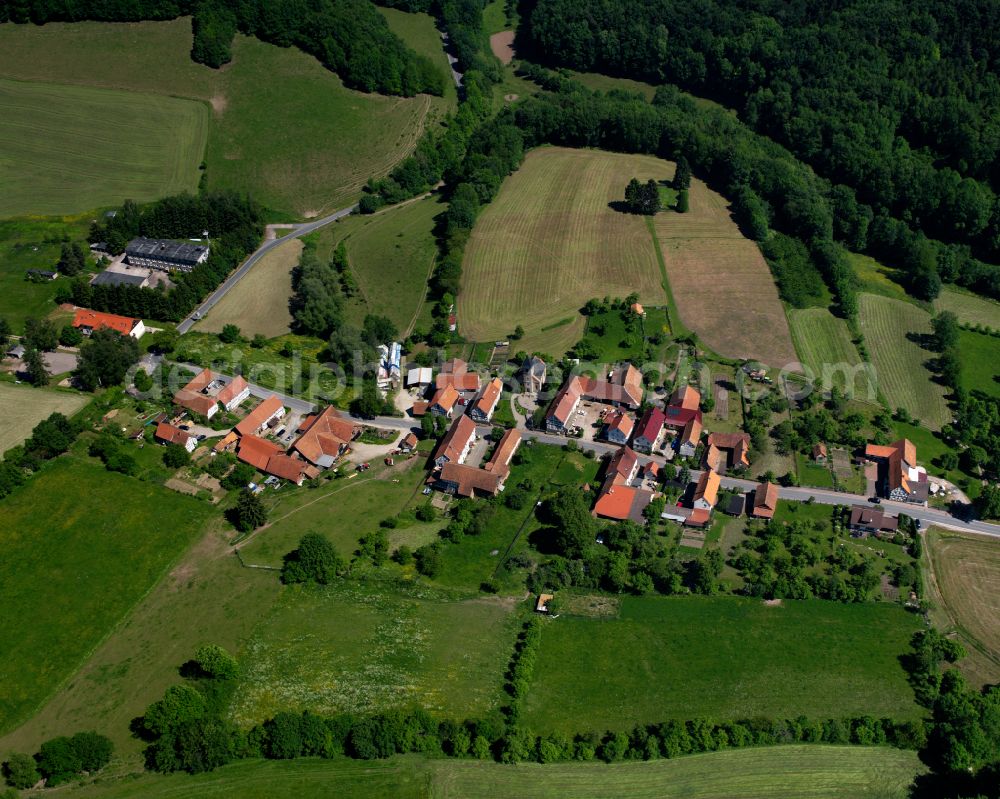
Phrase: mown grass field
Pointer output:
(782, 772)
(969, 308)
(965, 584)
(71, 148)
(721, 283)
(815, 658)
(259, 302)
(81, 547)
(824, 345)
(25, 407)
(392, 255)
(550, 241)
(362, 647)
(901, 370)
(980, 358)
(282, 127)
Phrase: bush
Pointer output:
(175, 456)
(21, 771)
(428, 560)
(315, 560)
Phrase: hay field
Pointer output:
(281, 126)
(966, 571)
(549, 242)
(25, 407)
(824, 345)
(259, 302)
(67, 149)
(969, 308)
(903, 377)
(721, 283)
(777, 772)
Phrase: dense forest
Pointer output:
(896, 105)
(349, 37)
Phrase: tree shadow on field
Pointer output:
(620, 206)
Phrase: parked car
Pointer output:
(875, 500)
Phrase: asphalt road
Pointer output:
(299, 230)
(927, 516)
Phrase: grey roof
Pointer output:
(107, 278)
(166, 250)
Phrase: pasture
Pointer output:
(360, 647)
(392, 255)
(759, 660)
(25, 407)
(965, 576)
(980, 358)
(274, 111)
(779, 772)
(71, 148)
(877, 278)
(969, 308)
(721, 283)
(901, 364)
(824, 345)
(81, 548)
(32, 244)
(550, 241)
(259, 302)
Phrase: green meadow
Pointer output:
(720, 658)
(81, 546)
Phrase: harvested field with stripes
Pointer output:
(901, 364)
(824, 345)
(969, 308)
(550, 241)
(721, 283)
(966, 572)
(67, 149)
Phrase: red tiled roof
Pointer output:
(286, 467)
(199, 381)
(259, 416)
(765, 500)
(623, 462)
(619, 501)
(455, 440)
(651, 424)
(819, 450)
(469, 479)
(500, 461)
(256, 451)
(199, 403)
(564, 402)
(692, 431)
(324, 434)
(739, 443)
(232, 390)
(95, 320)
(490, 396)
(620, 423)
(170, 434)
(444, 398)
(466, 381)
(708, 487)
(409, 440)
(698, 517)
(677, 417)
(687, 398)
(454, 366)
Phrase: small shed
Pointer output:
(819, 453)
(737, 505)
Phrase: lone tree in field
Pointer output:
(315, 560)
(230, 334)
(682, 201)
(250, 512)
(642, 198)
(682, 175)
